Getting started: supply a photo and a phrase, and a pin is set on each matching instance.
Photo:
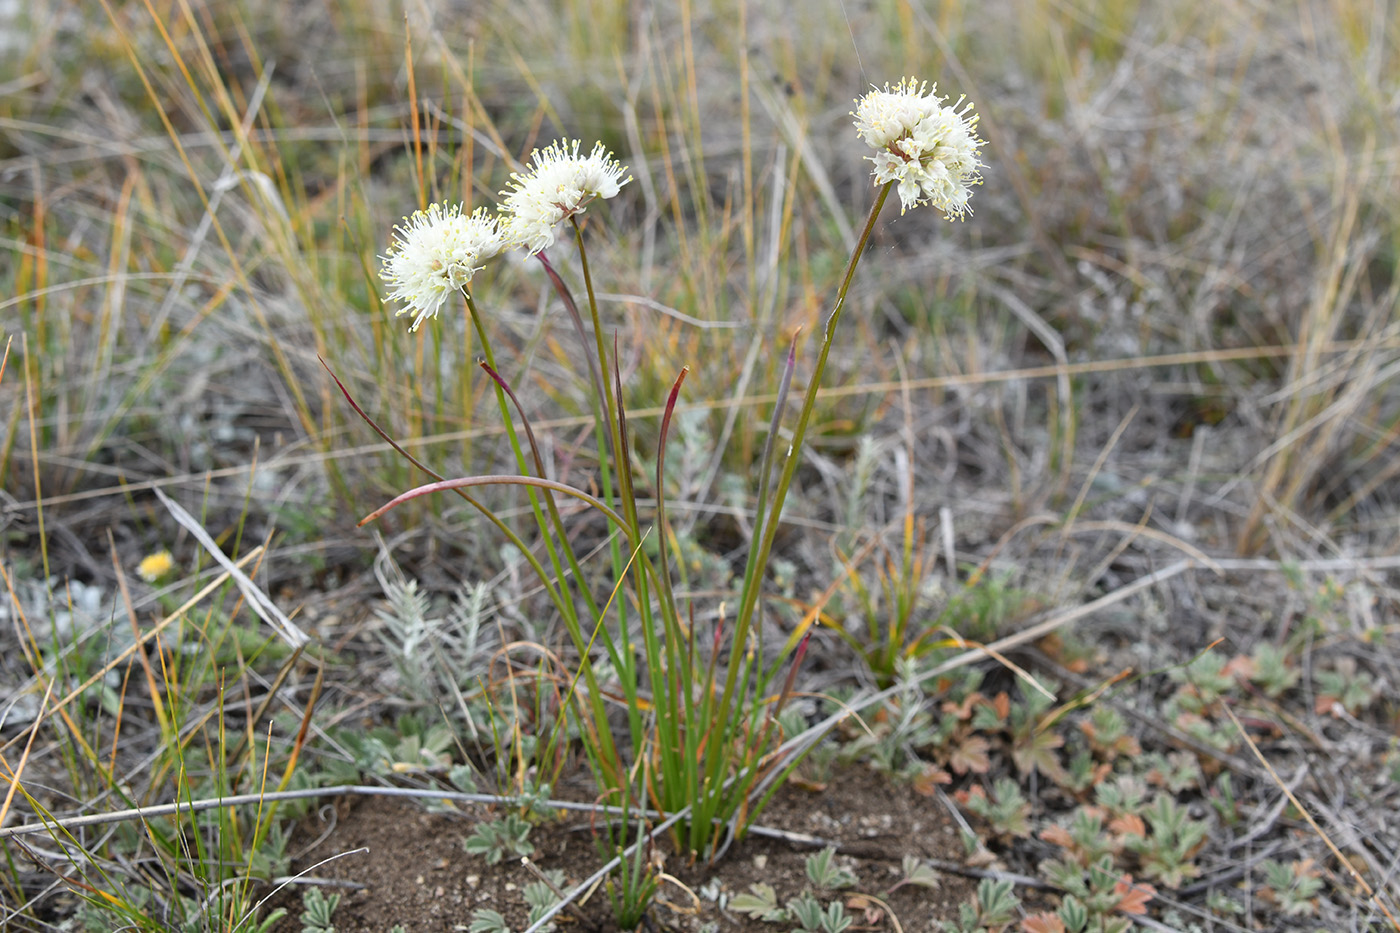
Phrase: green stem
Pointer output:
(568, 610)
(555, 518)
(610, 401)
(628, 501)
(754, 579)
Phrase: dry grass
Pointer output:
(1168, 332)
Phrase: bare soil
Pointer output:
(397, 863)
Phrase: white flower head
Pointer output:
(434, 255)
(560, 185)
(928, 149)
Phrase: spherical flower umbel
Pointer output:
(560, 185)
(435, 253)
(928, 149)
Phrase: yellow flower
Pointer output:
(155, 566)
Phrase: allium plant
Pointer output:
(702, 735)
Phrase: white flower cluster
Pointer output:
(437, 251)
(560, 185)
(929, 149)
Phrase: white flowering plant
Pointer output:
(702, 741)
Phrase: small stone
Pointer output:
(473, 880)
(760, 861)
(419, 880)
